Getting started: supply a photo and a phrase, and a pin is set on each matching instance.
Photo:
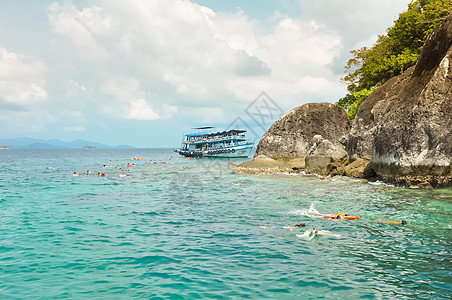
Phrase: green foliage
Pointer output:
(399, 49)
(351, 102)
(392, 53)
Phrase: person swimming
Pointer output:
(308, 234)
(298, 225)
(403, 222)
(312, 233)
(316, 214)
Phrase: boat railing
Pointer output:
(218, 147)
(217, 139)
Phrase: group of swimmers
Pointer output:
(314, 213)
(129, 166)
(87, 173)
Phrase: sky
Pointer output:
(143, 72)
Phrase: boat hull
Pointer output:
(236, 151)
(227, 152)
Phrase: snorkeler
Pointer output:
(298, 225)
(331, 216)
(393, 222)
(310, 234)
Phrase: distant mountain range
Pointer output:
(29, 143)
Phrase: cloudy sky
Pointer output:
(142, 72)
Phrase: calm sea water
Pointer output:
(184, 230)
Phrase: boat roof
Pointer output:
(215, 133)
(206, 127)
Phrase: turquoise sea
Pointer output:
(183, 229)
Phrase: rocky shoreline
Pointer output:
(402, 133)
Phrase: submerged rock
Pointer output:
(263, 164)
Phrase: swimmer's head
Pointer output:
(403, 222)
(300, 225)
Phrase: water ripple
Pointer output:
(149, 235)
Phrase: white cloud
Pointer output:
(33, 121)
(101, 60)
(74, 128)
(140, 110)
(190, 55)
(76, 89)
(355, 20)
(86, 27)
(21, 79)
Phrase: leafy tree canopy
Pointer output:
(392, 53)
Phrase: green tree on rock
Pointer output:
(392, 53)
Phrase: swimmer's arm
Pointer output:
(311, 216)
(328, 233)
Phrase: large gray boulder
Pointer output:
(292, 135)
(405, 127)
(306, 138)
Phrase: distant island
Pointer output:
(31, 143)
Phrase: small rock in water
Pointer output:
(324, 179)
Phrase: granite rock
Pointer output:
(405, 127)
(291, 135)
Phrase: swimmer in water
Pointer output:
(75, 174)
(316, 215)
(296, 226)
(285, 227)
(331, 216)
(393, 222)
(310, 234)
(328, 233)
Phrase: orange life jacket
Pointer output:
(391, 222)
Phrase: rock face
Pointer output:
(402, 133)
(292, 135)
(306, 138)
(405, 127)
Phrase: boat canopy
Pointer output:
(215, 133)
(207, 127)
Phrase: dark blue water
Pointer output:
(184, 230)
